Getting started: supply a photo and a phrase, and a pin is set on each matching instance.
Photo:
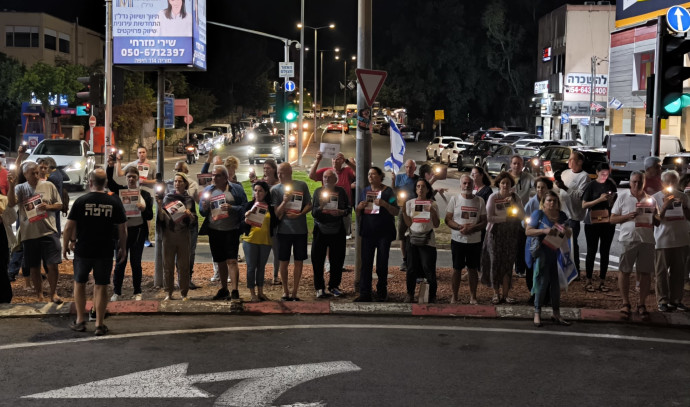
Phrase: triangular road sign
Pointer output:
(371, 82)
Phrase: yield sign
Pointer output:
(371, 82)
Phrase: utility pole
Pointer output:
(590, 132)
(108, 85)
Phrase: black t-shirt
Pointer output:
(593, 190)
(96, 214)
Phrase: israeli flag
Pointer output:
(395, 161)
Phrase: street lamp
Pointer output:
(354, 58)
(316, 48)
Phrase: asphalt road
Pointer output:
(340, 361)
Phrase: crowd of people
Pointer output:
(522, 225)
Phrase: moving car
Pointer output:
(378, 121)
(449, 154)
(73, 156)
(265, 146)
(337, 126)
(408, 132)
(556, 158)
(476, 154)
(260, 130)
(501, 158)
(437, 144)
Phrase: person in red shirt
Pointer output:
(652, 175)
(3, 177)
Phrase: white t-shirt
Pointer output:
(627, 203)
(420, 227)
(466, 211)
(572, 198)
(672, 233)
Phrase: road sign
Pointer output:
(565, 118)
(169, 113)
(439, 115)
(678, 19)
(371, 82)
(188, 119)
(92, 121)
(289, 86)
(286, 69)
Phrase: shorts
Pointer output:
(288, 242)
(102, 268)
(639, 254)
(224, 244)
(46, 248)
(465, 254)
(402, 227)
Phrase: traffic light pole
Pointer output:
(656, 119)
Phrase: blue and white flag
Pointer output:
(395, 161)
(615, 103)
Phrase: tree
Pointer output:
(139, 104)
(201, 104)
(44, 81)
(10, 107)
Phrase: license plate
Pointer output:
(619, 164)
(265, 155)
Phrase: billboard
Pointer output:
(159, 32)
(630, 12)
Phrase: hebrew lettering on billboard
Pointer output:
(159, 32)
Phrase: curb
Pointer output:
(341, 308)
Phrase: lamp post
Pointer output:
(316, 48)
(354, 58)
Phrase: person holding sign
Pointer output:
(634, 210)
(292, 202)
(377, 209)
(466, 217)
(672, 237)
(257, 237)
(542, 185)
(176, 213)
(421, 242)
(404, 184)
(504, 213)
(224, 233)
(331, 206)
(598, 199)
(137, 229)
(38, 230)
(547, 221)
(345, 173)
(194, 191)
(147, 171)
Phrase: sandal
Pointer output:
(603, 288)
(495, 300)
(101, 330)
(78, 326)
(626, 310)
(589, 288)
(262, 297)
(642, 312)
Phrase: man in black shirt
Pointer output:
(94, 222)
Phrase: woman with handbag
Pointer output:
(504, 212)
(547, 222)
(542, 185)
(421, 242)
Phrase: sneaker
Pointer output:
(321, 294)
(92, 314)
(185, 298)
(222, 294)
(680, 307)
(137, 297)
(101, 330)
(662, 308)
(327, 267)
(168, 297)
(335, 292)
(115, 297)
(78, 327)
(235, 295)
(403, 266)
(215, 277)
(148, 243)
(671, 306)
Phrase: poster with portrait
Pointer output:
(143, 171)
(330, 202)
(548, 170)
(257, 218)
(204, 180)
(645, 214)
(130, 198)
(501, 210)
(31, 208)
(216, 212)
(422, 212)
(468, 215)
(294, 205)
(554, 239)
(372, 208)
(176, 210)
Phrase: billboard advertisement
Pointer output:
(159, 32)
(630, 12)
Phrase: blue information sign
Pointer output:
(678, 19)
(169, 111)
(289, 86)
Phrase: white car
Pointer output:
(433, 150)
(73, 156)
(449, 155)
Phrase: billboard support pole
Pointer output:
(108, 79)
(160, 141)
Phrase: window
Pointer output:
(64, 43)
(21, 36)
(645, 67)
(49, 39)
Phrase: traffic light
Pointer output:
(290, 113)
(280, 104)
(94, 89)
(673, 73)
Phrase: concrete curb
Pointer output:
(342, 308)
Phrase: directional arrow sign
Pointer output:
(371, 82)
(257, 387)
(678, 19)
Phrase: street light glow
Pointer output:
(331, 25)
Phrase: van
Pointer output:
(626, 152)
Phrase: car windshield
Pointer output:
(526, 152)
(58, 148)
(268, 140)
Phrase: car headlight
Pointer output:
(535, 162)
(251, 149)
(292, 138)
(251, 135)
(294, 125)
(74, 166)
(305, 126)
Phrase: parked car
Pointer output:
(572, 143)
(378, 121)
(511, 137)
(265, 146)
(482, 134)
(626, 152)
(434, 148)
(535, 142)
(449, 154)
(226, 132)
(476, 154)
(501, 158)
(408, 132)
(72, 156)
(679, 162)
(337, 126)
(556, 157)
(204, 141)
(500, 135)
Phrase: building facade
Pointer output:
(33, 37)
(571, 91)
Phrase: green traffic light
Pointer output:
(676, 103)
(290, 115)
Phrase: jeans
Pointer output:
(421, 261)
(594, 234)
(575, 226)
(520, 264)
(16, 261)
(256, 256)
(546, 280)
(136, 235)
(381, 246)
(334, 245)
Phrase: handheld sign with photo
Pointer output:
(33, 213)
(257, 218)
(294, 205)
(675, 211)
(421, 211)
(501, 210)
(645, 213)
(143, 171)
(329, 150)
(177, 210)
(469, 215)
(204, 179)
(216, 212)
(330, 202)
(548, 170)
(130, 198)
(371, 208)
(554, 239)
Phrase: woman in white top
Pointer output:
(421, 243)
(175, 21)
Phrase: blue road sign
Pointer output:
(565, 118)
(169, 112)
(289, 86)
(678, 19)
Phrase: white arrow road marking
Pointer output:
(679, 16)
(259, 387)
